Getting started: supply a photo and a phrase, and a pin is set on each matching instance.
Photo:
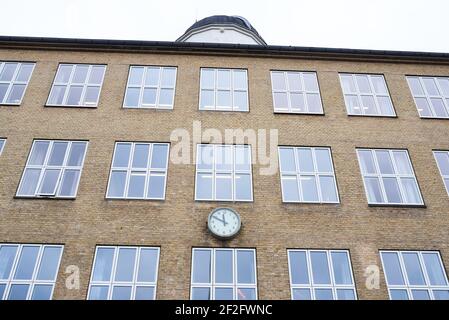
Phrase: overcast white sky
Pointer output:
(416, 25)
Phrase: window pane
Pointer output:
(310, 82)
(74, 97)
(80, 74)
(369, 106)
(345, 294)
(200, 293)
(3, 89)
(121, 154)
(223, 158)
(373, 190)
(2, 290)
(224, 79)
(207, 78)
(166, 96)
(38, 153)
(136, 76)
(379, 85)
(323, 294)
(69, 183)
(298, 267)
(363, 83)
(328, 190)
(308, 188)
(280, 100)
(223, 98)
(305, 160)
(159, 156)
(434, 269)
(320, 268)
(245, 267)
(347, 83)
(77, 154)
(402, 162)
(443, 162)
(246, 294)
(430, 86)
(201, 266)
(42, 292)
(287, 158)
(144, 293)
(156, 186)
(313, 102)
(399, 294)
(63, 74)
(423, 107)
(91, 96)
(98, 293)
(298, 103)
(441, 294)
(278, 81)
(103, 264)
(121, 293)
(223, 183)
(57, 95)
(18, 292)
(140, 156)
(168, 77)
(207, 99)
(125, 264)
(147, 265)
(290, 191)
(49, 182)
(16, 94)
(353, 104)
(384, 161)
(136, 188)
(152, 77)
(242, 158)
(57, 153)
(149, 96)
(117, 184)
(392, 268)
(366, 161)
(96, 75)
(205, 157)
(7, 255)
(411, 191)
(241, 100)
(386, 108)
(415, 86)
(301, 294)
(240, 79)
(29, 182)
(132, 97)
(49, 263)
(342, 269)
(294, 81)
(323, 160)
(412, 266)
(224, 294)
(223, 266)
(242, 187)
(392, 190)
(27, 262)
(8, 71)
(204, 186)
(444, 85)
(438, 107)
(420, 295)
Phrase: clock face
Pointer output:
(224, 223)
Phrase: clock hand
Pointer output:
(224, 220)
(218, 219)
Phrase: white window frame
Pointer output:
(289, 91)
(317, 174)
(33, 281)
(428, 96)
(213, 172)
(2, 146)
(143, 86)
(232, 90)
(396, 175)
(407, 285)
(45, 166)
(69, 83)
(444, 177)
(373, 94)
(212, 285)
(133, 284)
(142, 171)
(311, 286)
(14, 81)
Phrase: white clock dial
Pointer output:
(224, 222)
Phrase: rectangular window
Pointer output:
(124, 273)
(150, 87)
(28, 271)
(388, 177)
(223, 274)
(321, 275)
(431, 96)
(366, 95)
(77, 85)
(139, 171)
(53, 169)
(442, 158)
(296, 92)
(2, 144)
(415, 275)
(224, 89)
(307, 175)
(223, 173)
(14, 78)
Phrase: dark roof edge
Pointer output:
(139, 45)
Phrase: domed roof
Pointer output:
(223, 21)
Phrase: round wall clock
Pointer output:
(224, 223)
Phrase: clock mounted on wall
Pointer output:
(224, 223)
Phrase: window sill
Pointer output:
(70, 106)
(43, 198)
(372, 116)
(10, 104)
(149, 108)
(133, 199)
(224, 110)
(314, 203)
(434, 118)
(299, 113)
(223, 201)
(423, 206)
